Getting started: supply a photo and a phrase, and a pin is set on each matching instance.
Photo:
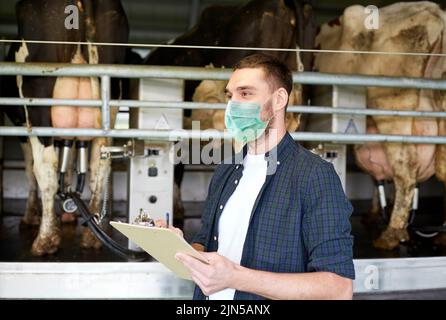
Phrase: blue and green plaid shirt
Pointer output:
(300, 219)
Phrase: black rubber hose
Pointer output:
(104, 237)
(412, 214)
(429, 229)
(384, 215)
(69, 144)
(61, 182)
(80, 182)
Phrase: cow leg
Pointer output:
(402, 159)
(99, 170)
(32, 211)
(45, 171)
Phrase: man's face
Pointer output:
(249, 85)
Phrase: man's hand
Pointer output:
(163, 224)
(219, 274)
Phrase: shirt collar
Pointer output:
(278, 153)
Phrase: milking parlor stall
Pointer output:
(114, 111)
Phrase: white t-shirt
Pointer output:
(234, 220)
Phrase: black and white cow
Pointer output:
(99, 21)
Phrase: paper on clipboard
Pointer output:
(160, 243)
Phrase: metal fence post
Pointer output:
(105, 96)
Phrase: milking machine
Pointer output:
(422, 231)
(71, 199)
(81, 148)
(150, 179)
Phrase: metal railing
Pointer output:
(105, 72)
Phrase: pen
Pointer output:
(167, 219)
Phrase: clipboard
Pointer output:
(162, 244)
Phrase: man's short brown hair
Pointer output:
(277, 74)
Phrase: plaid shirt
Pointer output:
(300, 219)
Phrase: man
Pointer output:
(276, 220)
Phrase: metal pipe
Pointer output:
(174, 135)
(382, 194)
(366, 112)
(415, 197)
(193, 73)
(82, 159)
(294, 108)
(49, 102)
(382, 200)
(413, 211)
(216, 106)
(367, 81)
(105, 95)
(114, 71)
(66, 149)
(67, 144)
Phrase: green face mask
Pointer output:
(242, 119)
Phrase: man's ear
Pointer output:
(280, 100)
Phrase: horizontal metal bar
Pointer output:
(193, 73)
(114, 71)
(29, 102)
(216, 106)
(174, 135)
(98, 280)
(366, 112)
(368, 81)
(294, 108)
(399, 274)
(151, 280)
